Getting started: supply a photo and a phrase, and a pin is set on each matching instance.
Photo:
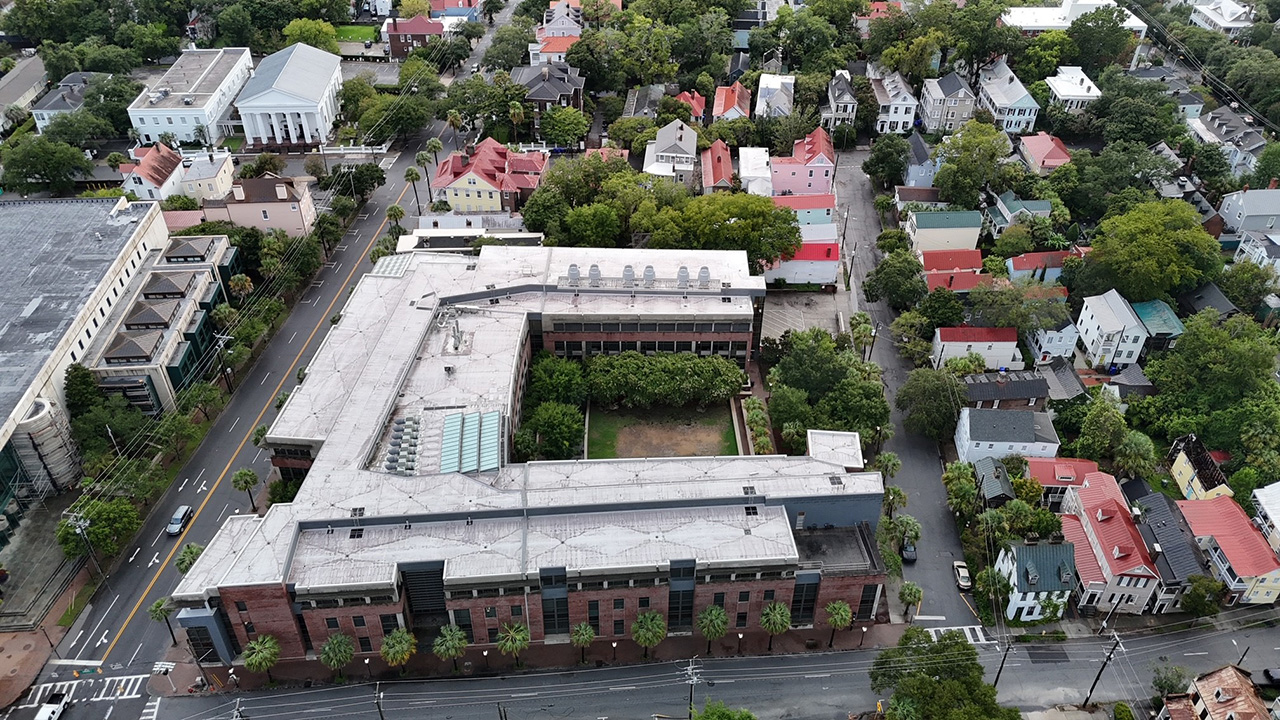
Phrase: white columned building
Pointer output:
(292, 98)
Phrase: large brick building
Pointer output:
(411, 513)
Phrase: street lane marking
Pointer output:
(256, 456)
(930, 617)
(233, 425)
(135, 654)
(624, 687)
(158, 536)
(203, 486)
(200, 475)
(812, 677)
(184, 484)
(291, 337)
(151, 710)
(224, 511)
(1195, 654)
(245, 440)
(94, 631)
(516, 695)
(155, 559)
(73, 644)
(135, 553)
(264, 378)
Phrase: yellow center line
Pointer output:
(252, 426)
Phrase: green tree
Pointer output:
(594, 225)
(839, 617)
(1014, 241)
(895, 498)
(552, 432)
(887, 163)
(337, 652)
(1103, 431)
(1203, 596)
(111, 522)
(1122, 711)
(1025, 304)
(892, 239)
(943, 308)
(555, 379)
(316, 33)
(187, 557)
(712, 622)
(1135, 456)
(897, 280)
(813, 363)
(395, 214)
(398, 647)
(1155, 250)
(1101, 38)
(450, 644)
(969, 364)
(582, 635)
(412, 176)
(509, 46)
(245, 480)
(79, 129)
(719, 711)
(115, 160)
(1246, 283)
(931, 400)
(240, 286)
(991, 586)
(735, 221)
(888, 464)
(775, 619)
(159, 611)
(970, 161)
(80, 388)
(513, 639)
(936, 678)
(261, 654)
(649, 629)
(1169, 679)
(35, 162)
(910, 595)
(564, 126)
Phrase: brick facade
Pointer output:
(269, 611)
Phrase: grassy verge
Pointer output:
(729, 440)
(77, 604)
(233, 143)
(603, 435)
(357, 33)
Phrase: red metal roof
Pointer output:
(1087, 567)
(1060, 472)
(717, 166)
(817, 252)
(965, 333)
(177, 220)
(156, 164)
(558, 44)
(809, 149)
(1037, 260)
(1106, 511)
(962, 281)
(695, 101)
(1248, 552)
(880, 10)
(733, 96)
(1046, 150)
(496, 165)
(805, 202)
(935, 260)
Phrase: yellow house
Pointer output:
(488, 178)
(1196, 472)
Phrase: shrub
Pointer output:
(1122, 712)
(758, 425)
(673, 380)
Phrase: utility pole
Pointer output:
(80, 524)
(1110, 654)
(237, 714)
(693, 679)
(1008, 646)
(377, 700)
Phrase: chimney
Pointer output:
(237, 192)
(546, 72)
(1272, 185)
(282, 191)
(210, 158)
(464, 159)
(395, 23)
(1156, 550)
(1032, 538)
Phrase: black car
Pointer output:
(1272, 676)
(908, 552)
(179, 521)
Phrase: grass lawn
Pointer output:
(662, 432)
(357, 33)
(233, 143)
(77, 604)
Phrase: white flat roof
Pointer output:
(1072, 83)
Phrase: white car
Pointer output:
(961, 571)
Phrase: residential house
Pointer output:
(944, 230)
(946, 103)
(1110, 540)
(1043, 153)
(1238, 553)
(1162, 324)
(951, 260)
(20, 87)
(732, 102)
(753, 171)
(959, 283)
(998, 346)
(1166, 75)
(1260, 248)
(488, 178)
(1238, 138)
(156, 175)
(1266, 506)
(1000, 92)
(745, 21)
(775, 95)
(1250, 210)
(551, 49)
(994, 486)
(549, 85)
(842, 101)
(644, 101)
(673, 153)
(178, 220)
(1224, 694)
(1223, 16)
(810, 169)
(1057, 474)
(739, 65)
(1072, 89)
(468, 10)
(292, 98)
(1064, 381)
(1038, 19)
(1112, 334)
(1207, 297)
(1044, 266)
(922, 167)
(404, 35)
(1130, 381)
(817, 263)
(1195, 470)
(561, 19)
(194, 97)
(809, 209)
(1017, 390)
(267, 203)
(1000, 433)
(697, 105)
(897, 111)
(717, 168)
(66, 97)
(1173, 548)
(1009, 209)
(1190, 104)
(875, 11)
(1058, 341)
(920, 198)
(207, 176)
(1041, 575)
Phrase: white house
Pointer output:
(815, 262)
(66, 97)
(193, 98)
(1238, 138)
(1111, 332)
(673, 153)
(998, 346)
(1072, 89)
(1224, 16)
(208, 176)
(1266, 505)
(944, 230)
(842, 103)
(292, 98)
(156, 175)
(1000, 92)
(775, 95)
(1260, 248)
(754, 172)
(897, 111)
(1039, 574)
(946, 103)
(1033, 20)
(982, 433)
(1250, 210)
(1047, 343)
(20, 87)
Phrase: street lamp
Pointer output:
(485, 653)
(368, 673)
(615, 651)
(739, 643)
(864, 636)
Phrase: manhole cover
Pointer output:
(28, 646)
(13, 671)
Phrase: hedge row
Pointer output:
(668, 380)
(758, 426)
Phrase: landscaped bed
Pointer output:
(660, 432)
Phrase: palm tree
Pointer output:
(240, 285)
(582, 635)
(775, 619)
(889, 464)
(648, 630)
(337, 652)
(433, 146)
(1135, 456)
(245, 480)
(513, 639)
(962, 498)
(261, 654)
(883, 204)
(450, 644)
(187, 557)
(910, 596)
(515, 111)
(895, 498)
(907, 528)
(161, 610)
(412, 176)
(454, 119)
(713, 623)
(990, 585)
(397, 647)
(115, 160)
(863, 335)
(395, 214)
(839, 617)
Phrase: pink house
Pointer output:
(696, 102)
(1043, 153)
(810, 168)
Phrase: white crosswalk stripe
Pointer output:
(93, 689)
(151, 710)
(972, 633)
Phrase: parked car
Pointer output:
(908, 552)
(1272, 676)
(961, 571)
(179, 521)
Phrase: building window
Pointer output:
(249, 629)
(768, 596)
(331, 623)
(264, 215)
(517, 610)
(741, 620)
(643, 603)
(618, 603)
(718, 599)
(491, 611)
(744, 596)
(365, 645)
(241, 607)
(358, 621)
(617, 627)
(493, 635)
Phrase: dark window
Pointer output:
(493, 635)
(680, 610)
(241, 607)
(357, 533)
(593, 615)
(741, 621)
(517, 610)
(684, 327)
(705, 327)
(249, 629)
(619, 603)
(630, 327)
(365, 645)
(331, 623)
(461, 618)
(682, 572)
(358, 621)
(768, 596)
(752, 511)
(617, 627)
(390, 623)
(648, 327)
(491, 612)
(643, 602)
(803, 603)
(718, 599)
(609, 327)
(555, 615)
(744, 596)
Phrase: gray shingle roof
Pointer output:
(1064, 382)
(551, 81)
(1207, 296)
(1053, 566)
(1019, 385)
(133, 345)
(993, 480)
(1010, 426)
(920, 153)
(1163, 523)
(298, 70)
(952, 84)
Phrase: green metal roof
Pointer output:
(955, 219)
(1158, 318)
(1053, 565)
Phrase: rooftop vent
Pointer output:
(704, 277)
(593, 273)
(628, 276)
(575, 275)
(682, 277)
(649, 276)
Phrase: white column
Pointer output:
(308, 127)
(252, 127)
(275, 127)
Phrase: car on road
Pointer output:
(1272, 676)
(961, 571)
(908, 552)
(179, 521)
(475, 68)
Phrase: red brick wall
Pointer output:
(318, 628)
(847, 588)
(549, 338)
(269, 609)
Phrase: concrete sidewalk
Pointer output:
(23, 655)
